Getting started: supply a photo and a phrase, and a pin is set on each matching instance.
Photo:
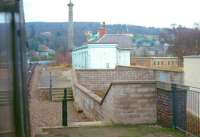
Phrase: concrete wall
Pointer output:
(128, 102)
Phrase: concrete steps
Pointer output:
(4, 97)
(46, 131)
(79, 124)
(90, 124)
(58, 94)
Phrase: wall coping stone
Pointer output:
(133, 82)
(168, 86)
(95, 69)
(88, 93)
(154, 69)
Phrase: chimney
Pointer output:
(103, 30)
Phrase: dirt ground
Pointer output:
(74, 116)
(44, 113)
(61, 77)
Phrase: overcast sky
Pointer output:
(157, 13)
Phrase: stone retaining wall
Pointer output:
(127, 102)
(130, 94)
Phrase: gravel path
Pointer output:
(42, 112)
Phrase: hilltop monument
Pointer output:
(70, 27)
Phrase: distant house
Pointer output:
(45, 50)
(34, 54)
(192, 71)
(106, 53)
(155, 62)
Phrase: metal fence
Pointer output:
(193, 111)
(183, 107)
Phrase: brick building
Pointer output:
(155, 62)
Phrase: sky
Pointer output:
(149, 13)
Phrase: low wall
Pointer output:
(127, 102)
(130, 94)
(101, 79)
(169, 76)
(161, 75)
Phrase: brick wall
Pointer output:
(85, 100)
(141, 62)
(159, 75)
(101, 79)
(126, 102)
(164, 107)
(131, 103)
(132, 99)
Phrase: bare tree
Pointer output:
(184, 41)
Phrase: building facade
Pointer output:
(155, 62)
(106, 52)
(100, 56)
(192, 71)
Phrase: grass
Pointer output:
(116, 131)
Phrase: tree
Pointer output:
(184, 41)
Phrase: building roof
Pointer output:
(95, 45)
(123, 40)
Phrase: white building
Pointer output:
(106, 53)
(100, 56)
(192, 71)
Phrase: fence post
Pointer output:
(50, 87)
(174, 90)
(64, 108)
